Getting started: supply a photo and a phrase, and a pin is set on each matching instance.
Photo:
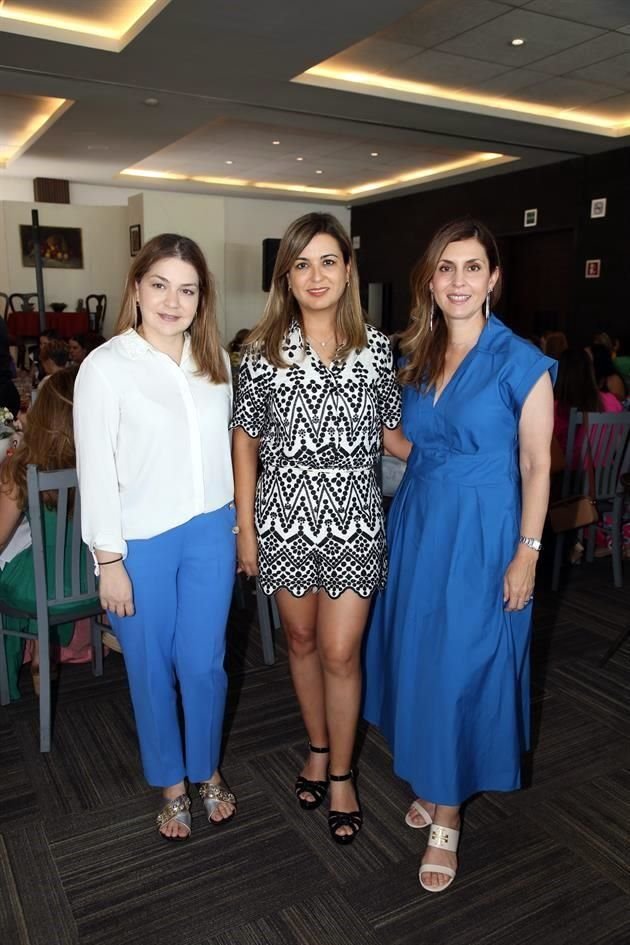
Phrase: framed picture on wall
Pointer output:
(530, 217)
(60, 246)
(598, 207)
(593, 269)
(135, 239)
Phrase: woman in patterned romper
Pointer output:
(316, 399)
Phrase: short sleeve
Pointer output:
(525, 365)
(252, 393)
(388, 389)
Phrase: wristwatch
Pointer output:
(532, 543)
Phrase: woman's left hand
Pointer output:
(519, 579)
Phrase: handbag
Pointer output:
(577, 511)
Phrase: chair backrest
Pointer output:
(606, 448)
(96, 306)
(4, 305)
(71, 556)
(24, 301)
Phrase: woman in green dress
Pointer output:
(48, 443)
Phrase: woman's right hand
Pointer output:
(247, 551)
(115, 590)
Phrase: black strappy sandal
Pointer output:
(338, 818)
(318, 789)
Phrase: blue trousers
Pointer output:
(182, 587)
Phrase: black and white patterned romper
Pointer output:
(319, 514)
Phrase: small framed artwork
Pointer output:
(530, 217)
(593, 269)
(60, 246)
(598, 207)
(135, 239)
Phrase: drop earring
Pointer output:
(488, 297)
(431, 313)
(137, 317)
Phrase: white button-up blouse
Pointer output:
(152, 442)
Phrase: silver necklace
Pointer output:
(324, 344)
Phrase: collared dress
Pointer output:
(318, 509)
(446, 666)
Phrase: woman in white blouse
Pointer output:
(152, 410)
(316, 398)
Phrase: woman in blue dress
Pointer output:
(447, 655)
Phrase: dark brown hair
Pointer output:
(281, 308)
(204, 333)
(48, 437)
(426, 349)
(575, 385)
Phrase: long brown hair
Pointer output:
(48, 437)
(576, 385)
(281, 308)
(426, 348)
(204, 333)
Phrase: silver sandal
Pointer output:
(214, 794)
(178, 809)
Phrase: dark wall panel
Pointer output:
(394, 233)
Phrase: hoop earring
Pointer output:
(488, 297)
(431, 313)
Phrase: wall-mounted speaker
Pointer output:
(270, 251)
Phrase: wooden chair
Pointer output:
(53, 606)
(24, 300)
(96, 306)
(608, 438)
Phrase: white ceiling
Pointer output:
(445, 95)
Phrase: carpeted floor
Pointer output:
(80, 862)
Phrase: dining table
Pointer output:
(26, 324)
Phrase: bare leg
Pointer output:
(445, 817)
(299, 620)
(340, 627)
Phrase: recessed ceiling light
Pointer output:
(229, 162)
(319, 172)
(517, 41)
(152, 102)
(373, 153)
(275, 142)
(299, 159)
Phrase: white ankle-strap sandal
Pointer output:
(419, 809)
(442, 838)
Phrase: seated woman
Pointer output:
(607, 377)
(48, 443)
(576, 387)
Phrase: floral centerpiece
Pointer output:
(10, 433)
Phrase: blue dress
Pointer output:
(447, 668)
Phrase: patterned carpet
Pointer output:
(80, 863)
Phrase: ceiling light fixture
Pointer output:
(319, 172)
(373, 153)
(299, 159)
(275, 142)
(151, 102)
(517, 41)
(110, 30)
(405, 90)
(229, 162)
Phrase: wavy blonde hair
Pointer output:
(425, 349)
(281, 308)
(204, 333)
(48, 440)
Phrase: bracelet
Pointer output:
(532, 543)
(101, 564)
